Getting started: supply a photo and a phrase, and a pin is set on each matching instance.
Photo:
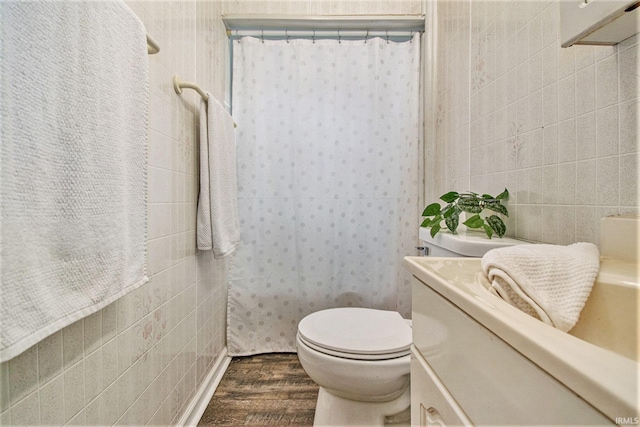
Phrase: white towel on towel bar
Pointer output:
(217, 220)
(73, 181)
(549, 282)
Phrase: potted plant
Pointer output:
(472, 203)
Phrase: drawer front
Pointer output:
(431, 403)
(491, 381)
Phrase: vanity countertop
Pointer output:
(605, 379)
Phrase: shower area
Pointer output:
(329, 159)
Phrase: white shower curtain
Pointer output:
(328, 146)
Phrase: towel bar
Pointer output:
(178, 85)
(152, 46)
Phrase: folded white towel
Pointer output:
(549, 282)
(217, 220)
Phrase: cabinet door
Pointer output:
(492, 382)
(431, 403)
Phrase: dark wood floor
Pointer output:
(267, 389)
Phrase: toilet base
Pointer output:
(332, 410)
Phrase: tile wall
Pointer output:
(141, 359)
(558, 127)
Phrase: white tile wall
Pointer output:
(557, 127)
(141, 359)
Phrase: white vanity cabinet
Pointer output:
(463, 374)
(432, 405)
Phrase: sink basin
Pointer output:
(609, 318)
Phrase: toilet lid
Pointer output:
(357, 331)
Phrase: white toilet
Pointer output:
(360, 357)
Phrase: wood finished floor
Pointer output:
(266, 389)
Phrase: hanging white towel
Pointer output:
(217, 220)
(73, 111)
(549, 282)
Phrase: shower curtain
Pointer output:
(328, 145)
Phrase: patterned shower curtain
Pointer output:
(328, 146)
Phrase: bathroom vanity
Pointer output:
(476, 360)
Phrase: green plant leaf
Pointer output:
(470, 202)
(431, 210)
(497, 225)
(448, 211)
(497, 207)
(488, 230)
(503, 195)
(449, 197)
(470, 205)
(474, 222)
(435, 229)
(435, 220)
(452, 221)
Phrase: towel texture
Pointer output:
(73, 120)
(217, 220)
(549, 282)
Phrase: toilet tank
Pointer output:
(466, 243)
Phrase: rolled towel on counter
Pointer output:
(549, 282)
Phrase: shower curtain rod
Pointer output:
(319, 33)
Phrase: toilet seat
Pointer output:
(372, 357)
(356, 333)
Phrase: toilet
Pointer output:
(360, 357)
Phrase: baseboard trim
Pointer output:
(199, 403)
